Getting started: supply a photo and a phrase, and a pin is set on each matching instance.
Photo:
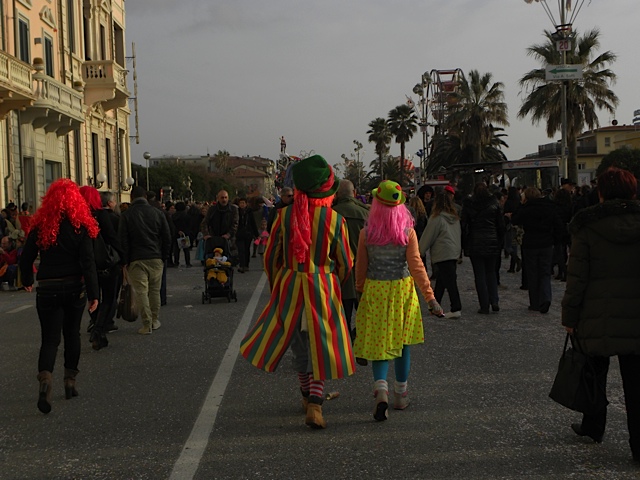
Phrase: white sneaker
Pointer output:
(457, 314)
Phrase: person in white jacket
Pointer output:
(444, 239)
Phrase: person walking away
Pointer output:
(443, 239)
(247, 231)
(482, 225)
(182, 222)
(146, 241)
(62, 233)
(389, 319)
(111, 207)
(107, 279)
(542, 230)
(355, 213)
(601, 305)
(564, 207)
(306, 261)
(510, 243)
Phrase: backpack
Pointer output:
(106, 256)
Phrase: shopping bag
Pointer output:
(184, 242)
(127, 308)
(576, 384)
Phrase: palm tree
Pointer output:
(448, 151)
(584, 97)
(403, 123)
(475, 107)
(380, 135)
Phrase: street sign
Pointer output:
(563, 72)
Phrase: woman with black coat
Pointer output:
(483, 238)
(182, 222)
(62, 234)
(601, 305)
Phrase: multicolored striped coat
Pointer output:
(313, 287)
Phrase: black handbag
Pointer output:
(127, 308)
(105, 255)
(576, 384)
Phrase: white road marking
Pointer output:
(19, 309)
(187, 464)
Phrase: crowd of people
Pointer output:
(329, 254)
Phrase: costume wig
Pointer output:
(92, 197)
(62, 201)
(388, 225)
(301, 223)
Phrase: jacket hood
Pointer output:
(618, 221)
(449, 218)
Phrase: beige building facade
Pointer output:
(64, 97)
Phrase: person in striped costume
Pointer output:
(307, 259)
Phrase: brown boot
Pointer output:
(314, 415)
(44, 394)
(70, 383)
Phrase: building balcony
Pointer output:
(106, 82)
(16, 84)
(57, 107)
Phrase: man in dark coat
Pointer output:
(483, 230)
(355, 213)
(539, 218)
(222, 221)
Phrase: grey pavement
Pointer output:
(478, 387)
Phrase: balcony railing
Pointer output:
(105, 81)
(57, 107)
(15, 84)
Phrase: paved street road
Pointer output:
(182, 404)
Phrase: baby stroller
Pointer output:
(218, 271)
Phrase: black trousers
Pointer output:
(176, 254)
(538, 264)
(102, 316)
(60, 306)
(349, 305)
(629, 368)
(244, 251)
(448, 280)
(484, 273)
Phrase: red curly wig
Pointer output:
(92, 196)
(62, 200)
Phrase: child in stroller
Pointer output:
(218, 271)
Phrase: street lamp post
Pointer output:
(147, 156)
(563, 32)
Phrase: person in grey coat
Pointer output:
(601, 305)
(443, 238)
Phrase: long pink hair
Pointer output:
(388, 225)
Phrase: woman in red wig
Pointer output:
(61, 233)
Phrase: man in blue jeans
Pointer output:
(146, 240)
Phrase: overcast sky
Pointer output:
(236, 75)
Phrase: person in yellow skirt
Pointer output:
(389, 318)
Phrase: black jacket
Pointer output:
(144, 233)
(482, 225)
(71, 256)
(540, 221)
(107, 230)
(247, 229)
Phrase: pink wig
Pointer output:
(388, 225)
(62, 200)
(92, 196)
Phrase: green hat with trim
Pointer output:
(314, 176)
(389, 193)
